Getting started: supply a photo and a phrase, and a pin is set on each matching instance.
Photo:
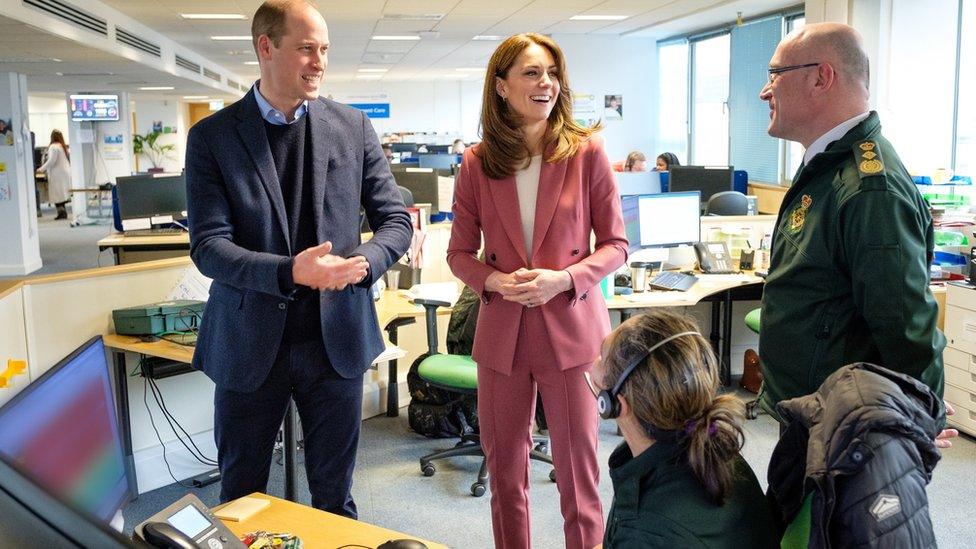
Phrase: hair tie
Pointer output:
(691, 424)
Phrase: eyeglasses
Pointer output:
(778, 70)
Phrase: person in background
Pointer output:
(457, 147)
(275, 183)
(636, 162)
(388, 153)
(665, 161)
(678, 477)
(534, 190)
(58, 170)
(849, 263)
(422, 149)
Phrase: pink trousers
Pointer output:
(506, 406)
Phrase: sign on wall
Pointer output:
(375, 105)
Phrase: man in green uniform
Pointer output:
(849, 267)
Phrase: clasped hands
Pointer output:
(529, 287)
(318, 269)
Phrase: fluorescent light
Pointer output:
(369, 76)
(250, 62)
(212, 16)
(372, 70)
(396, 37)
(156, 88)
(231, 38)
(487, 37)
(598, 17)
(196, 97)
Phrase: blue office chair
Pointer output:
(727, 203)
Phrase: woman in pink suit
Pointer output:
(535, 189)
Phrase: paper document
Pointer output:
(437, 291)
(192, 285)
(392, 352)
(241, 509)
(659, 297)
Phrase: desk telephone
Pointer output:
(187, 524)
(713, 257)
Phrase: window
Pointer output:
(751, 147)
(710, 96)
(793, 151)
(965, 155)
(672, 117)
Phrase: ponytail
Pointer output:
(713, 441)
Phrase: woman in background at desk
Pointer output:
(665, 161)
(58, 168)
(678, 477)
(535, 188)
(636, 162)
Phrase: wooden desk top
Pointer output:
(120, 239)
(707, 285)
(91, 190)
(316, 528)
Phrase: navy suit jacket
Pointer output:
(239, 236)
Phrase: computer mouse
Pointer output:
(402, 544)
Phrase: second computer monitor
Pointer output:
(707, 180)
(148, 196)
(662, 220)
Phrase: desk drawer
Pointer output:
(964, 403)
(964, 420)
(961, 297)
(963, 379)
(959, 359)
(961, 329)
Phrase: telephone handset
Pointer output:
(713, 257)
(163, 534)
(187, 524)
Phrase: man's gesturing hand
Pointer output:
(318, 269)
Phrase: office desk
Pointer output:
(392, 310)
(132, 249)
(720, 291)
(316, 528)
(96, 196)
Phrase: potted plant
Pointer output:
(155, 152)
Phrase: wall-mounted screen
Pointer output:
(93, 108)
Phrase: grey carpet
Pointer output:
(391, 492)
(67, 248)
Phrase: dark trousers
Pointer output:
(330, 409)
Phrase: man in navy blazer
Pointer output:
(275, 183)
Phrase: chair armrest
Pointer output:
(433, 302)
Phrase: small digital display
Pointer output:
(717, 249)
(190, 521)
(93, 107)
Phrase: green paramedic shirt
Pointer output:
(849, 272)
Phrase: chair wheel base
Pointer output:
(478, 489)
(542, 447)
(752, 409)
(428, 469)
(552, 475)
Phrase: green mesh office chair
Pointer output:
(458, 374)
(752, 322)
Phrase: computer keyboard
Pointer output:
(162, 231)
(671, 280)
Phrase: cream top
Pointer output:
(527, 185)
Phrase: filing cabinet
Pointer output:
(959, 356)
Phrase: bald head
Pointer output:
(837, 44)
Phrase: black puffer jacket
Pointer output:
(863, 445)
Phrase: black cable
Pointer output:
(170, 419)
(354, 545)
(160, 439)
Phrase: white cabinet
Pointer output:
(959, 356)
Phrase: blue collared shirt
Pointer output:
(273, 115)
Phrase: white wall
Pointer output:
(608, 65)
(170, 113)
(46, 114)
(20, 245)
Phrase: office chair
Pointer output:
(405, 193)
(727, 203)
(752, 374)
(458, 374)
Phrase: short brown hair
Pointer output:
(675, 389)
(270, 19)
(503, 150)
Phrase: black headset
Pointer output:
(606, 402)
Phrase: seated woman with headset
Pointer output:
(664, 162)
(678, 478)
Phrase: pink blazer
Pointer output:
(576, 196)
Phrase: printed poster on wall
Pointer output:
(584, 109)
(613, 107)
(6, 133)
(4, 183)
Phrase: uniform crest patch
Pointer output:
(884, 506)
(867, 158)
(799, 214)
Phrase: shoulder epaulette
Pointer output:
(867, 156)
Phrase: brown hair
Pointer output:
(675, 390)
(633, 158)
(57, 137)
(503, 149)
(270, 19)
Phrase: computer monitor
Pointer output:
(638, 183)
(661, 220)
(708, 180)
(403, 147)
(439, 149)
(62, 430)
(424, 185)
(438, 161)
(148, 195)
